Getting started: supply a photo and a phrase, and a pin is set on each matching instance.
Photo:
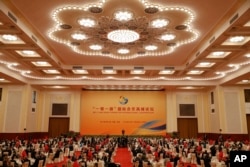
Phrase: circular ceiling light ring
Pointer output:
(171, 44)
(95, 9)
(151, 10)
(181, 27)
(74, 43)
(66, 26)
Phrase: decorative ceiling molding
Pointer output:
(160, 29)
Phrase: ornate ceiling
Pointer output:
(132, 44)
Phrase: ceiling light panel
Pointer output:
(27, 53)
(166, 71)
(51, 71)
(195, 72)
(56, 87)
(108, 70)
(3, 80)
(138, 70)
(236, 40)
(11, 39)
(41, 64)
(218, 55)
(80, 71)
(205, 64)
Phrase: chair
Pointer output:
(1, 163)
(5, 153)
(71, 153)
(12, 164)
(40, 163)
(25, 164)
(61, 157)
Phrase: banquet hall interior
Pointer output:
(151, 67)
(124, 83)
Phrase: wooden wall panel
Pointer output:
(187, 127)
(58, 126)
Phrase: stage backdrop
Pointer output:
(135, 112)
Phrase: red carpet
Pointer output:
(123, 157)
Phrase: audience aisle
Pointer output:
(123, 157)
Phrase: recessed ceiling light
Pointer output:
(237, 39)
(123, 51)
(195, 72)
(159, 23)
(245, 81)
(2, 80)
(9, 37)
(28, 52)
(123, 15)
(56, 87)
(168, 37)
(41, 63)
(80, 71)
(79, 36)
(190, 87)
(51, 71)
(95, 47)
(138, 70)
(166, 71)
(108, 70)
(205, 64)
(151, 47)
(219, 53)
(86, 22)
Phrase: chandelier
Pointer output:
(123, 36)
(123, 31)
